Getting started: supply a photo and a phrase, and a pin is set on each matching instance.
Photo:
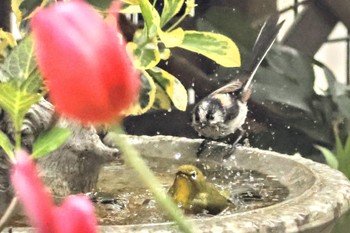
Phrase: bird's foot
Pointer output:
(202, 148)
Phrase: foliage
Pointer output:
(6, 39)
(339, 158)
(20, 88)
(153, 43)
(49, 141)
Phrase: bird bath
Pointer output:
(312, 196)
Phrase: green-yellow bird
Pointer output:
(193, 193)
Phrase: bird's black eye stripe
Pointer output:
(209, 115)
(192, 175)
(196, 115)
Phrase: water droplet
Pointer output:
(177, 156)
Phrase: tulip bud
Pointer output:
(84, 61)
(76, 214)
(37, 202)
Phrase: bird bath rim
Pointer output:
(312, 208)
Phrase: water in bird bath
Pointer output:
(122, 199)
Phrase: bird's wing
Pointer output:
(231, 87)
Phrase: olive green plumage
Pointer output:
(193, 193)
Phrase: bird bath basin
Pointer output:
(309, 197)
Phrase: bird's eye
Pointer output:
(193, 175)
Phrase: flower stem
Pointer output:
(8, 214)
(189, 6)
(132, 157)
(154, 3)
(18, 139)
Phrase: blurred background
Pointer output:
(300, 96)
(335, 51)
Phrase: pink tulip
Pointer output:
(76, 214)
(89, 75)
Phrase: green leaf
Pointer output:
(21, 64)
(217, 47)
(347, 146)
(339, 146)
(6, 39)
(345, 163)
(190, 5)
(147, 95)
(151, 17)
(150, 91)
(16, 101)
(49, 141)
(171, 8)
(28, 8)
(132, 2)
(130, 9)
(3, 76)
(162, 100)
(172, 39)
(100, 4)
(34, 83)
(15, 6)
(6, 145)
(329, 156)
(172, 86)
(165, 54)
(147, 56)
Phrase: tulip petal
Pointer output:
(37, 202)
(76, 214)
(88, 72)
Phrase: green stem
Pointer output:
(132, 157)
(177, 22)
(154, 3)
(17, 125)
(187, 11)
(18, 139)
(8, 213)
